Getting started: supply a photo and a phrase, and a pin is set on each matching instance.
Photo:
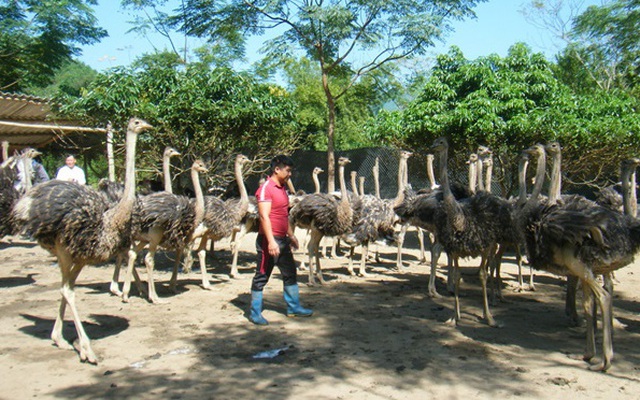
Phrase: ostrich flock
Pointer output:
(567, 235)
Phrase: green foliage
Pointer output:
(346, 39)
(354, 110)
(606, 44)
(511, 103)
(210, 114)
(70, 79)
(38, 37)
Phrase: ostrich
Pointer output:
(509, 235)
(113, 192)
(76, 224)
(221, 219)
(164, 220)
(376, 219)
(468, 228)
(406, 222)
(9, 195)
(15, 180)
(581, 241)
(316, 183)
(419, 209)
(166, 165)
(25, 170)
(325, 216)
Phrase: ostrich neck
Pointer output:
(166, 163)
(487, 183)
(26, 167)
(402, 181)
(628, 180)
(195, 179)
(540, 172)
(480, 173)
(556, 179)
(633, 198)
(376, 177)
(452, 209)
(344, 197)
(118, 216)
(522, 181)
(361, 186)
(354, 187)
(430, 174)
(244, 197)
(316, 182)
(472, 177)
(444, 175)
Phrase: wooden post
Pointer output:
(5, 150)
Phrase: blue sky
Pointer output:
(499, 25)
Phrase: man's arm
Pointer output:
(264, 209)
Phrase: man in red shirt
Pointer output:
(274, 242)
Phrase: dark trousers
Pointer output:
(266, 262)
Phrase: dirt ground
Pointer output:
(379, 337)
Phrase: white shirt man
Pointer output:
(71, 172)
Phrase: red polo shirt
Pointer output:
(272, 192)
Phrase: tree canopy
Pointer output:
(213, 114)
(332, 34)
(513, 102)
(38, 37)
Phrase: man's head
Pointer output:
(281, 166)
(70, 161)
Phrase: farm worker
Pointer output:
(71, 172)
(274, 242)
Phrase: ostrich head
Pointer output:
(487, 162)
(473, 157)
(30, 152)
(535, 151)
(198, 166)
(440, 144)
(317, 170)
(342, 161)
(242, 159)
(553, 148)
(137, 125)
(484, 151)
(170, 152)
(430, 157)
(630, 162)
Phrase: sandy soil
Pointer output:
(379, 337)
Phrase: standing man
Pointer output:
(274, 242)
(71, 172)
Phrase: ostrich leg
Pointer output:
(70, 273)
(149, 261)
(436, 250)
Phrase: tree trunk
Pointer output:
(331, 107)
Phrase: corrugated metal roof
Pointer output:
(28, 121)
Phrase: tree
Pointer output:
(609, 35)
(347, 39)
(511, 103)
(602, 42)
(69, 79)
(213, 114)
(354, 110)
(38, 37)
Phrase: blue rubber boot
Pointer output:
(292, 298)
(255, 314)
